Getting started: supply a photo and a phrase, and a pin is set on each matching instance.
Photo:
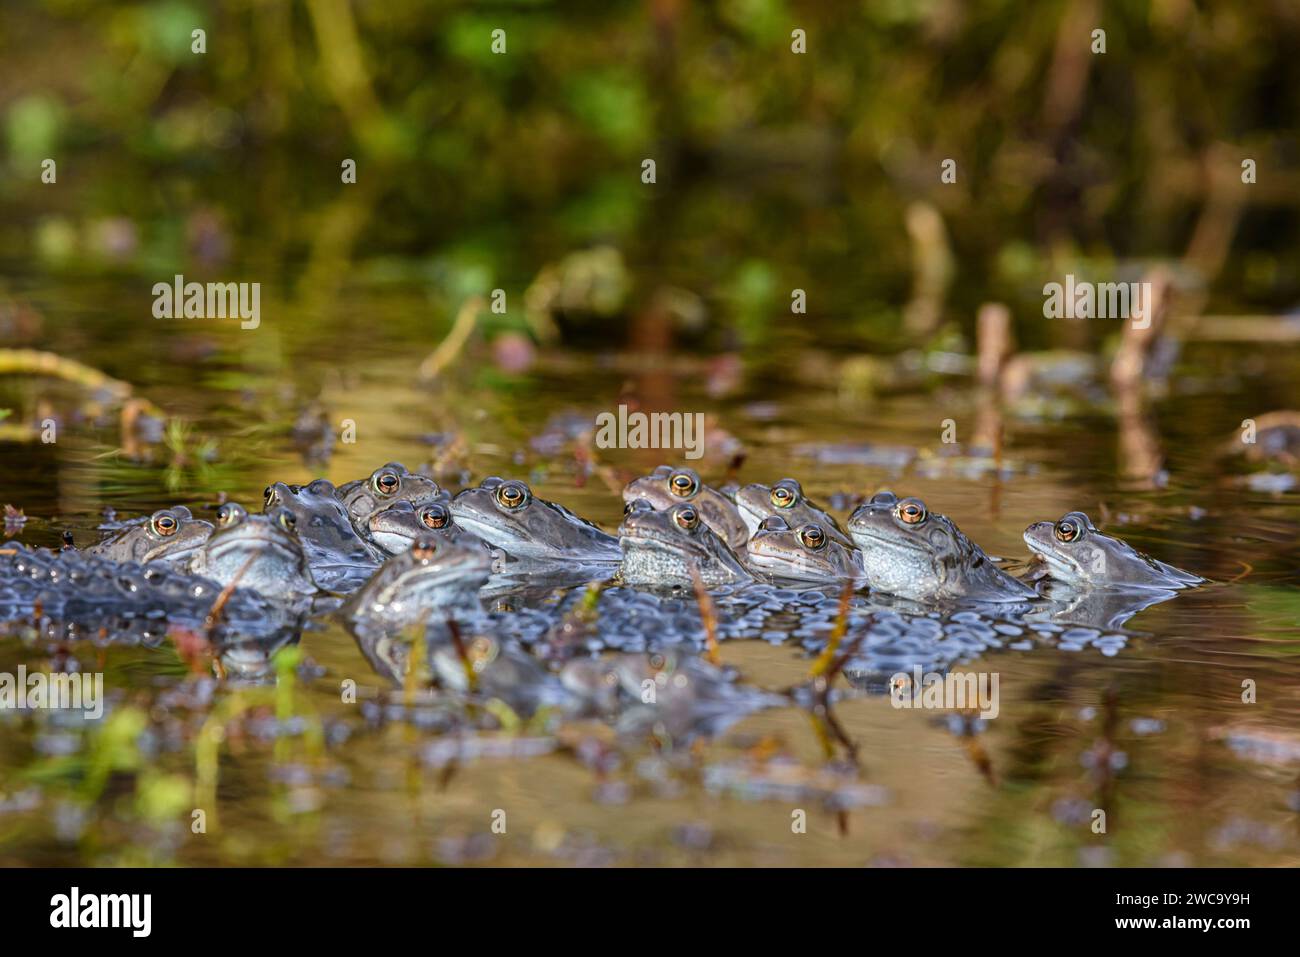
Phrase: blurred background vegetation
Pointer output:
(775, 170)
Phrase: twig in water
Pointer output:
(821, 667)
(451, 346)
(708, 616)
(471, 676)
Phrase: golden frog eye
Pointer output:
(231, 514)
(287, 520)
(434, 516)
(686, 517)
(684, 483)
(164, 524)
(512, 495)
(784, 495)
(1067, 530)
(424, 549)
(911, 512)
(812, 537)
(386, 482)
(269, 497)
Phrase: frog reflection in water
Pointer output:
(530, 530)
(260, 552)
(169, 535)
(661, 546)
(787, 500)
(1076, 553)
(339, 557)
(805, 553)
(666, 486)
(917, 554)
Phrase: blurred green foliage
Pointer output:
(774, 169)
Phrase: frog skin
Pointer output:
(435, 577)
(397, 527)
(660, 546)
(390, 483)
(170, 535)
(257, 552)
(786, 498)
(340, 558)
(1076, 553)
(530, 530)
(923, 556)
(806, 553)
(666, 486)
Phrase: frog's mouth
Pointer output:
(512, 540)
(667, 543)
(174, 554)
(1066, 568)
(888, 541)
(258, 545)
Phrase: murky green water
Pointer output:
(1157, 735)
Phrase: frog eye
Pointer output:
(884, 497)
(812, 537)
(164, 524)
(627, 508)
(686, 517)
(512, 495)
(1068, 530)
(435, 516)
(785, 494)
(683, 483)
(269, 497)
(386, 482)
(910, 511)
(423, 549)
(287, 520)
(231, 514)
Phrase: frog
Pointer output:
(756, 502)
(340, 558)
(169, 535)
(667, 486)
(434, 577)
(1076, 553)
(660, 547)
(258, 552)
(804, 553)
(394, 528)
(531, 531)
(387, 484)
(913, 553)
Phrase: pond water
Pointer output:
(1149, 726)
